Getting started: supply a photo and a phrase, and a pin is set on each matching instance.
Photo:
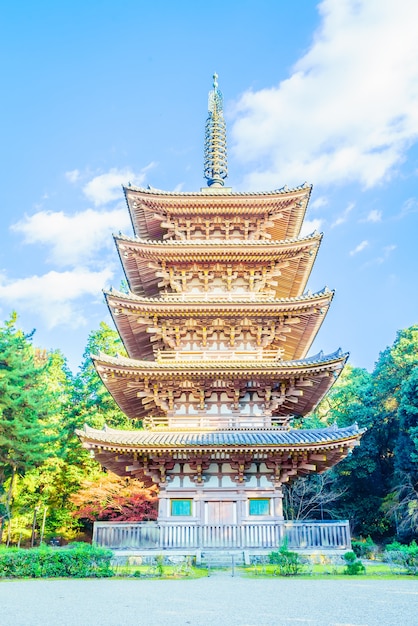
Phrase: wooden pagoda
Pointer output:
(218, 325)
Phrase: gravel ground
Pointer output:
(217, 600)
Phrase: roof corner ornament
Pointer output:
(216, 166)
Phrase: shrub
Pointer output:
(288, 563)
(402, 558)
(78, 560)
(353, 565)
(365, 548)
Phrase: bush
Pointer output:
(354, 566)
(288, 563)
(78, 560)
(402, 558)
(365, 548)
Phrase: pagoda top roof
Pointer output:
(149, 207)
(206, 192)
(254, 438)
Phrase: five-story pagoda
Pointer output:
(217, 326)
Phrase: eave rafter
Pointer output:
(282, 268)
(143, 388)
(154, 455)
(150, 209)
(147, 325)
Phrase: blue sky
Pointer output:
(100, 93)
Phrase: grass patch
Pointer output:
(158, 567)
(321, 571)
(169, 572)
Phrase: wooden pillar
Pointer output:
(163, 505)
(278, 503)
(199, 507)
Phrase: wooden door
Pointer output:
(220, 512)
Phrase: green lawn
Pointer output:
(323, 570)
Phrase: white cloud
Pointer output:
(73, 239)
(344, 215)
(388, 249)
(318, 203)
(349, 110)
(310, 226)
(73, 176)
(409, 206)
(374, 216)
(386, 252)
(107, 187)
(55, 296)
(359, 248)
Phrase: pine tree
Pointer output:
(25, 405)
(94, 404)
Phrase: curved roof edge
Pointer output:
(208, 191)
(252, 438)
(212, 243)
(304, 298)
(317, 359)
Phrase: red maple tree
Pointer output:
(110, 498)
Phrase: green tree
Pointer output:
(357, 482)
(406, 451)
(25, 407)
(404, 498)
(49, 486)
(94, 404)
(368, 477)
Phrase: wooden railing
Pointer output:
(308, 535)
(214, 421)
(151, 535)
(219, 355)
(224, 296)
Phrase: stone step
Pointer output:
(214, 559)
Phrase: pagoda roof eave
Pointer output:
(271, 440)
(300, 451)
(132, 382)
(214, 368)
(132, 317)
(141, 258)
(206, 192)
(150, 207)
(201, 245)
(184, 305)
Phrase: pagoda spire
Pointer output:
(216, 166)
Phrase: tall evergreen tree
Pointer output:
(404, 497)
(377, 479)
(25, 406)
(94, 404)
(358, 480)
(49, 487)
